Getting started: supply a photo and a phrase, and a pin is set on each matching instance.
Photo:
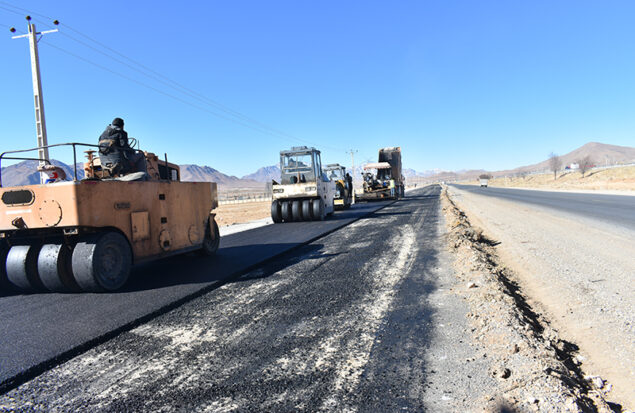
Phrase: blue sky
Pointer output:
(456, 84)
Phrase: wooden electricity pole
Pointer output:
(40, 123)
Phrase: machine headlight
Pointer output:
(310, 188)
(278, 190)
(337, 194)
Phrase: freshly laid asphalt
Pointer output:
(363, 319)
(613, 209)
(38, 331)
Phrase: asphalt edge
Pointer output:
(32, 372)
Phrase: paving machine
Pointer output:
(85, 234)
(377, 176)
(304, 192)
(343, 193)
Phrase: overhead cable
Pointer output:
(234, 115)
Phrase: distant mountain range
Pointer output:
(409, 173)
(25, 173)
(265, 174)
(196, 173)
(600, 154)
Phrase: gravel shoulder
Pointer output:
(576, 271)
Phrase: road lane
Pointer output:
(613, 209)
(40, 330)
(360, 320)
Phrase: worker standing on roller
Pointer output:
(392, 187)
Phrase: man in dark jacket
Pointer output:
(114, 137)
(115, 150)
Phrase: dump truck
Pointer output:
(85, 234)
(343, 192)
(484, 180)
(377, 176)
(304, 192)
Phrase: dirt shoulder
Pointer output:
(229, 214)
(576, 272)
(615, 180)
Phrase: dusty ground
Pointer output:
(230, 214)
(615, 179)
(535, 368)
(583, 284)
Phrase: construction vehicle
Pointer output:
(386, 169)
(84, 235)
(484, 180)
(304, 193)
(343, 193)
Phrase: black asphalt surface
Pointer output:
(40, 330)
(362, 319)
(613, 209)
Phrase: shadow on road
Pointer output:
(194, 269)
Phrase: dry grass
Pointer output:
(619, 179)
(239, 213)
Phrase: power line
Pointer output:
(243, 119)
(152, 88)
(178, 87)
(9, 10)
(186, 91)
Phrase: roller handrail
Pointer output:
(73, 144)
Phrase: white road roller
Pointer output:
(304, 192)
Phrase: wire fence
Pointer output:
(244, 195)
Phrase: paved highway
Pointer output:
(362, 319)
(614, 209)
(38, 331)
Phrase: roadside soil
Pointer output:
(614, 179)
(229, 214)
(575, 271)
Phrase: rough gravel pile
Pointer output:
(536, 370)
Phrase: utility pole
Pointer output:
(353, 152)
(40, 123)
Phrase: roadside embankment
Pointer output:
(576, 272)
